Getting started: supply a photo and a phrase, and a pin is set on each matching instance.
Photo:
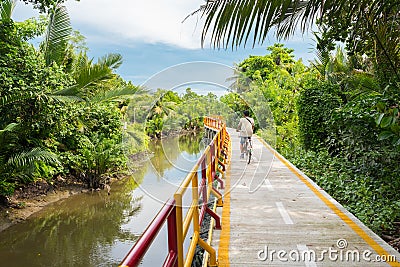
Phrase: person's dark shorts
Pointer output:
(243, 139)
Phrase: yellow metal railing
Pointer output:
(214, 158)
(209, 168)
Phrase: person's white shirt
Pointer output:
(246, 127)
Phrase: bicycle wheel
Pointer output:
(249, 150)
(244, 150)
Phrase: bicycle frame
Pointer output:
(248, 148)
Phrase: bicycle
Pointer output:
(248, 149)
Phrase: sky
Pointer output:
(151, 36)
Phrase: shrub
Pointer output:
(315, 106)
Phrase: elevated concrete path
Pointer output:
(274, 215)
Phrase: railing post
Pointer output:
(204, 167)
(195, 196)
(219, 138)
(209, 165)
(212, 163)
(172, 240)
(179, 228)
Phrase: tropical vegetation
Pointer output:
(60, 111)
(66, 115)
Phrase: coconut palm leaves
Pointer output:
(57, 35)
(88, 74)
(116, 95)
(236, 21)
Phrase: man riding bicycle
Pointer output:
(245, 129)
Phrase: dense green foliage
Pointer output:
(61, 113)
(315, 106)
(344, 154)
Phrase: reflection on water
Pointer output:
(179, 153)
(95, 229)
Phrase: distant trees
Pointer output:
(172, 113)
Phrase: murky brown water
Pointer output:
(96, 229)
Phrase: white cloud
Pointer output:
(155, 21)
(128, 22)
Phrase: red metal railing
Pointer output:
(167, 213)
(213, 160)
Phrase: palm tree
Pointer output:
(240, 82)
(235, 21)
(333, 67)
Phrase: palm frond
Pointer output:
(6, 9)
(200, 10)
(80, 62)
(234, 21)
(57, 35)
(68, 91)
(113, 61)
(88, 75)
(118, 94)
(28, 158)
(15, 97)
(63, 99)
(92, 74)
(62, 96)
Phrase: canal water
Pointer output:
(96, 229)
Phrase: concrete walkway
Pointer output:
(274, 215)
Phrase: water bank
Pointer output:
(32, 198)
